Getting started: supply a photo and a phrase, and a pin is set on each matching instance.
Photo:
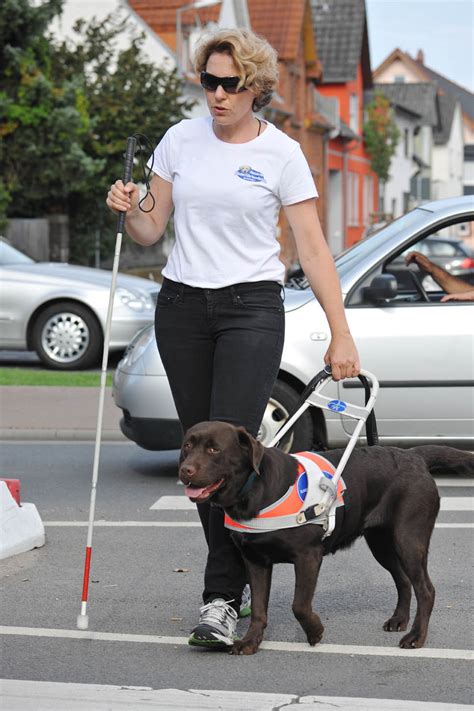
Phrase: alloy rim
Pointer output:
(65, 337)
(274, 418)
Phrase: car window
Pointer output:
(442, 249)
(11, 256)
(361, 252)
(445, 248)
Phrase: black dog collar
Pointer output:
(248, 484)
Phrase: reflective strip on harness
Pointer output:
(307, 491)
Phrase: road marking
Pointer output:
(138, 524)
(173, 503)
(457, 503)
(176, 524)
(454, 482)
(56, 696)
(182, 503)
(349, 649)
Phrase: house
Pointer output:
(448, 125)
(73, 10)
(419, 102)
(288, 26)
(397, 198)
(342, 41)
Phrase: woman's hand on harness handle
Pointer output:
(343, 357)
(122, 198)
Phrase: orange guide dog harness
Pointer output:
(312, 480)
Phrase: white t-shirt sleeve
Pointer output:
(161, 162)
(296, 183)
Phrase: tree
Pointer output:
(122, 94)
(41, 125)
(381, 136)
(66, 110)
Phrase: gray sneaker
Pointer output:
(216, 627)
(246, 602)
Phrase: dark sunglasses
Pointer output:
(209, 82)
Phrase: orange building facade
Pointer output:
(349, 164)
(343, 48)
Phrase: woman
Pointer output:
(220, 318)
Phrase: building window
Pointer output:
(406, 142)
(353, 199)
(399, 79)
(354, 112)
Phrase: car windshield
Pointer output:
(9, 255)
(360, 251)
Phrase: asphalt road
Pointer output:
(136, 589)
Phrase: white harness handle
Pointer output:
(356, 412)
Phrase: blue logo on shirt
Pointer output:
(245, 172)
(337, 405)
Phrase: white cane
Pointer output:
(83, 618)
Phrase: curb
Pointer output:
(21, 526)
(77, 435)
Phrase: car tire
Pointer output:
(281, 406)
(67, 336)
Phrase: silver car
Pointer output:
(420, 349)
(59, 310)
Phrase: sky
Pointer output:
(443, 29)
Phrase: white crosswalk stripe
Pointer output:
(182, 503)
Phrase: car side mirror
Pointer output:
(382, 288)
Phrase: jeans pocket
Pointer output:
(266, 298)
(168, 296)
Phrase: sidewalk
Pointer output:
(55, 413)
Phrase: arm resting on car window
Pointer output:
(460, 296)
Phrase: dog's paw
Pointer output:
(315, 636)
(412, 640)
(243, 646)
(396, 624)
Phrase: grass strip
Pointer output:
(53, 378)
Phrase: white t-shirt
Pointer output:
(227, 198)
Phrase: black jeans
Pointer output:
(221, 349)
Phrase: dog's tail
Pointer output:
(447, 460)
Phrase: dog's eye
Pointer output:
(187, 445)
(212, 450)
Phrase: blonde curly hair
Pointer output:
(254, 57)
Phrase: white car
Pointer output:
(420, 349)
(59, 310)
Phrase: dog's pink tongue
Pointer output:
(193, 493)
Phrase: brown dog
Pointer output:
(391, 499)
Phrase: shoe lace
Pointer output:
(217, 611)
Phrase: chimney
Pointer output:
(420, 56)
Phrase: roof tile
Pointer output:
(280, 22)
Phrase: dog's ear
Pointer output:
(254, 448)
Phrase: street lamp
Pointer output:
(196, 5)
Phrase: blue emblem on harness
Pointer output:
(337, 405)
(245, 172)
(302, 486)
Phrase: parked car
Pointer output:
(59, 310)
(420, 349)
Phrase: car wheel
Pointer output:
(67, 336)
(281, 406)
